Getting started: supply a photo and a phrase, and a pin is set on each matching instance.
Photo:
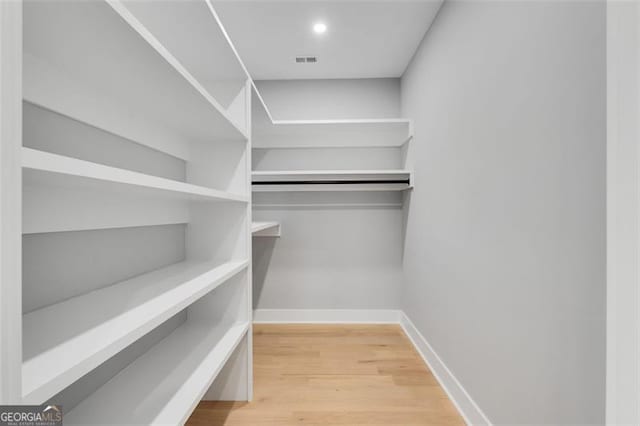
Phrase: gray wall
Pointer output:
(338, 250)
(331, 99)
(505, 241)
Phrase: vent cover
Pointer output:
(306, 59)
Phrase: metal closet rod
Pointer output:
(329, 182)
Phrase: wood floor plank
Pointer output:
(334, 375)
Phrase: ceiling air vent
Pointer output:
(306, 59)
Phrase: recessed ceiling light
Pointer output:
(319, 27)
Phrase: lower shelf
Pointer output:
(265, 229)
(165, 384)
(92, 327)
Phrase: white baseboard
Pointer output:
(467, 407)
(327, 316)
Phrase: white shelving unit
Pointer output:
(265, 229)
(121, 86)
(328, 155)
(132, 191)
(92, 327)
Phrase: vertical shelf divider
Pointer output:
(10, 202)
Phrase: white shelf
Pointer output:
(132, 20)
(164, 385)
(375, 132)
(94, 61)
(43, 168)
(203, 46)
(331, 180)
(265, 229)
(62, 342)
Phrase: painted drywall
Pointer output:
(505, 236)
(367, 158)
(331, 99)
(337, 250)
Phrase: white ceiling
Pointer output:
(364, 39)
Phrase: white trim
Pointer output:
(248, 344)
(623, 213)
(326, 316)
(466, 406)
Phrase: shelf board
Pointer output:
(92, 327)
(238, 72)
(331, 180)
(143, 82)
(203, 46)
(47, 169)
(265, 229)
(375, 132)
(164, 385)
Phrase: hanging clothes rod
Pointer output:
(330, 182)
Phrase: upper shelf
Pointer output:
(92, 327)
(75, 64)
(44, 168)
(378, 132)
(331, 180)
(202, 46)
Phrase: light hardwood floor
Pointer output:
(335, 375)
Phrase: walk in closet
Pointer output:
(273, 212)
